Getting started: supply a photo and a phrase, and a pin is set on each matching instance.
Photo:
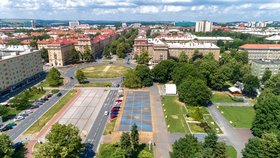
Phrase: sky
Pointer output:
(143, 10)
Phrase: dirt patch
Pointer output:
(174, 116)
(106, 68)
(177, 101)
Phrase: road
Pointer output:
(93, 138)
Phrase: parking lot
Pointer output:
(137, 109)
(84, 110)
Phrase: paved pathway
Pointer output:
(161, 136)
(233, 104)
(238, 138)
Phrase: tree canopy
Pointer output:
(80, 75)
(274, 84)
(53, 77)
(6, 149)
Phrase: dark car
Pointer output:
(17, 146)
(115, 110)
(71, 78)
(116, 107)
(113, 116)
(110, 62)
(34, 107)
(59, 94)
(114, 113)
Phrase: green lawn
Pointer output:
(105, 71)
(109, 127)
(46, 84)
(221, 98)
(241, 117)
(208, 118)
(41, 122)
(231, 152)
(195, 128)
(175, 112)
(95, 84)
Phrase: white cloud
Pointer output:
(270, 6)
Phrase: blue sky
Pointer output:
(144, 10)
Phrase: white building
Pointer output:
(204, 26)
(73, 24)
(170, 89)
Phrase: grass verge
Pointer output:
(219, 97)
(95, 84)
(175, 112)
(41, 122)
(238, 116)
(105, 71)
(231, 152)
(109, 127)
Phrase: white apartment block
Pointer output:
(18, 66)
(203, 26)
(262, 51)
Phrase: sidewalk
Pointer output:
(47, 128)
(161, 136)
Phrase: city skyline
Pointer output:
(153, 10)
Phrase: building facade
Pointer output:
(203, 26)
(259, 66)
(18, 67)
(262, 51)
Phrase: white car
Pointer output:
(28, 112)
(18, 118)
(106, 113)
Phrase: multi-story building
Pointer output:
(259, 66)
(262, 51)
(203, 26)
(18, 66)
(73, 24)
(159, 50)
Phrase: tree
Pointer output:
(87, 54)
(107, 51)
(44, 54)
(144, 74)
(33, 43)
(132, 80)
(63, 141)
(218, 79)
(251, 83)
(183, 58)
(134, 136)
(185, 147)
(241, 56)
(267, 114)
(162, 71)
(3, 110)
(125, 141)
(145, 154)
(207, 67)
(120, 50)
(266, 75)
(220, 150)
(53, 77)
(80, 75)
(266, 146)
(143, 58)
(194, 92)
(196, 55)
(6, 149)
(274, 84)
(183, 71)
(211, 140)
(74, 56)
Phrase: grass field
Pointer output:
(231, 152)
(105, 71)
(109, 127)
(241, 117)
(175, 112)
(41, 122)
(95, 84)
(219, 97)
(208, 118)
(46, 84)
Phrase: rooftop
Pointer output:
(7, 52)
(260, 46)
(193, 45)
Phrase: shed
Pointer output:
(234, 90)
(170, 89)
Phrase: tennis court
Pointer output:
(137, 110)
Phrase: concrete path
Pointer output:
(161, 136)
(233, 104)
(238, 138)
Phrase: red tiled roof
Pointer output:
(260, 46)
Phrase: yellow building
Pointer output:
(18, 67)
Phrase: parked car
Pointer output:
(28, 112)
(11, 124)
(110, 62)
(17, 145)
(115, 113)
(106, 113)
(116, 107)
(34, 106)
(115, 110)
(113, 116)
(59, 94)
(49, 95)
(118, 101)
(6, 128)
(71, 78)
(18, 118)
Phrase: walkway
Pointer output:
(237, 137)
(161, 136)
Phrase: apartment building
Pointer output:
(262, 51)
(159, 50)
(203, 26)
(18, 66)
(259, 66)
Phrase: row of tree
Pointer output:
(122, 45)
(266, 125)
(189, 146)
(138, 77)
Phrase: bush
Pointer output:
(238, 99)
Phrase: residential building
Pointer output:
(18, 66)
(159, 50)
(262, 51)
(203, 26)
(259, 66)
(73, 24)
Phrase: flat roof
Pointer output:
(193, 45)
(260, 46)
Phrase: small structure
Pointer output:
(234, 91)
(170, 89)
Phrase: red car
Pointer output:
(113, 116)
